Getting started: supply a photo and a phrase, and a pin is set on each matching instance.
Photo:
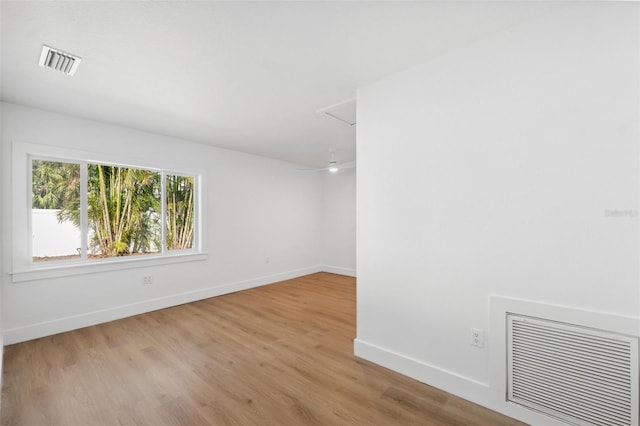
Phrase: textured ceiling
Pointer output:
(248, 76)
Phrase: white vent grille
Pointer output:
(579, 375)
(344, 111)
(58, 60)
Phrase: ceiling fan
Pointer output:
(333, 166)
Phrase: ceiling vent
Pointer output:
(59, 61)
(344, 111)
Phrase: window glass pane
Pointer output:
(55, 210)
(180, 212)
(123, 211)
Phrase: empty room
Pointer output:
(319, 213)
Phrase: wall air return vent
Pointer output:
(579, 375)
(58, 60)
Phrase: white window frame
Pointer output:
(23, 267)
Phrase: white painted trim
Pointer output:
(60, 325)
(419, 370)
(448, 381)
(23, 269)
(499, 306)
(65, 269)
(349, 272)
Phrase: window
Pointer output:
(179, 212)
(55, 210)
(123, 209)
(86, 212)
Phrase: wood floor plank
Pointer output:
(275, 355)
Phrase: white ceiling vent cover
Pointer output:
(58, 60)
(579, 375)
(344, 111)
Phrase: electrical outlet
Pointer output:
(267, 260)
(147, 280)
(477, 337)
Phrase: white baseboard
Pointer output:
(61, 325)
(448, 381)
(349, 272)
(451, 382)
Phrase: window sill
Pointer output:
(106, 265)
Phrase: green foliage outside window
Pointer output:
(123, 206)
(179, 190)
(53, 183)
(123, 210)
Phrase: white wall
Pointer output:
(339, 222)
(3, 271)
(494, 170)
(257, 208)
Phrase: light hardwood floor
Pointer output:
(276, 355)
